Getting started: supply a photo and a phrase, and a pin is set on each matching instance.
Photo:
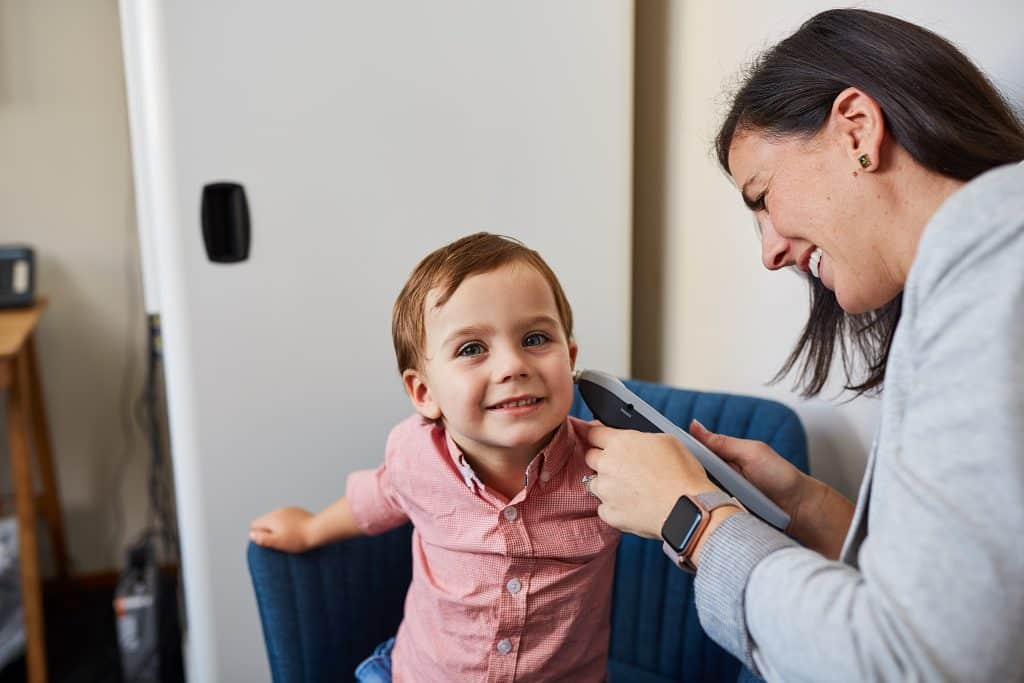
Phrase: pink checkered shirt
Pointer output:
(502, 590)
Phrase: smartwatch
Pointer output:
(686, 523)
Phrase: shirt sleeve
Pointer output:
(373, 495)
(729, 556)
(937, 592)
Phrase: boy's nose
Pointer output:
(511, 365)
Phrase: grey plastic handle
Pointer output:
(725, 476)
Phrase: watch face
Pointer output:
(681, 523)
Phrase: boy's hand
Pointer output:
(287, 529)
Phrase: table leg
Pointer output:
(21, 471)
(44, 457)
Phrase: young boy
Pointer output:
(512, 568)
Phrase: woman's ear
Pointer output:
(573, 350)
(859, 125)
(419, 393)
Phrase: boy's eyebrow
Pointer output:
(542, 319)
(466, 331)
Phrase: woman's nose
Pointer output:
(776, 250)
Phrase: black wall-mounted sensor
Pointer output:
(225, 215)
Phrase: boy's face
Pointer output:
(497, 366)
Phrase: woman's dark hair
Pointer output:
(937, 106)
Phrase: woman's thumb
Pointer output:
(698, 429)
(726, 447)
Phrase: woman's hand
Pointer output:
(640, 477)
(759, 464)
(288, 529)
(819, 515)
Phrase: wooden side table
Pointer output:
(19, 376)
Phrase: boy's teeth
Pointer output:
(517, 404)
(815, 262)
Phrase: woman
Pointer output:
(878, 160)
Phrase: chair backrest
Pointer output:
(656, 635)
(324, 611)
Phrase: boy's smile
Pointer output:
(497, 367)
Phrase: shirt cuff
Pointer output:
(727, 559)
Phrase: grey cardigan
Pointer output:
(930, 582)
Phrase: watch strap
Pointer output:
(706, 501)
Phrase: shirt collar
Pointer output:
(544, 466)
(552, 458)
(461, 464)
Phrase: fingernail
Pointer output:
(697, 422)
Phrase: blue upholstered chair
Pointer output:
(324, 611)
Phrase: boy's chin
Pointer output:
(516, 437)
(532, 437)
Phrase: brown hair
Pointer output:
(937, 105)
(446, 268)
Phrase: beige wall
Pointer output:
(65, 189)
(722, 321)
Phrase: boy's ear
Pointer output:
(420, 394)
(573, 350)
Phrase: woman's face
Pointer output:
(815, 207)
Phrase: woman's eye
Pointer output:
(470, 349)
(535, 339)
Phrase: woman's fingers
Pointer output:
(736, 452)
(601, 436)
(594, 487)
(639, 477)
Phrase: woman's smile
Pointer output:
(814, 262)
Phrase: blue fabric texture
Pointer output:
(377, 667)
(325, 611)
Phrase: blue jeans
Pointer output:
(377, 667)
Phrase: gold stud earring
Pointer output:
(865, 161)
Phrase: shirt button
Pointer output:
(504, 646)
(514, 586)
(545, 476)
(511, 513)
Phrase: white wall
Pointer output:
(366, 134)
(65, 189)
(728, 322)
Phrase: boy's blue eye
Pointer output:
(470, 349)
(535, 339)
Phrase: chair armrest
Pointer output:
(325, 610)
